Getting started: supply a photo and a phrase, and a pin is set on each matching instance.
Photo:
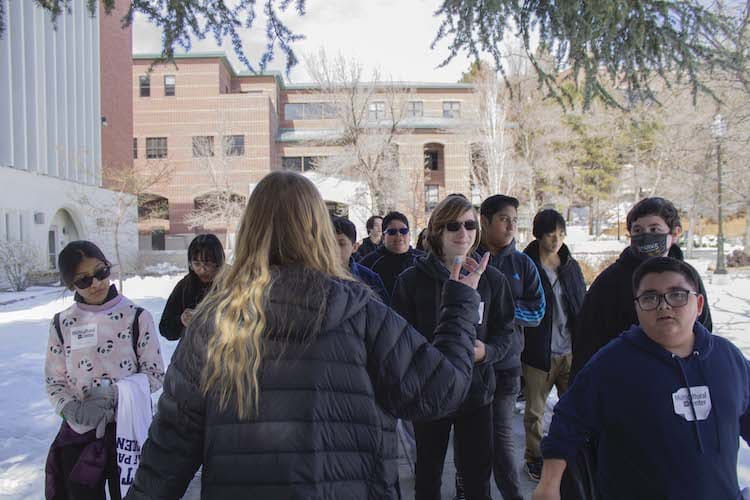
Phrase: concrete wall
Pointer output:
(49, 93)
(32, 205)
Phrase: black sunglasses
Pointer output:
(100, 274)
(394, 232)
(470, 225)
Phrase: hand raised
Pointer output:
(474, 269)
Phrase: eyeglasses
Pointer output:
(675, 298)
(470, 225)
(208, 266)
(394, 231)
(100, 274)
(508, 220)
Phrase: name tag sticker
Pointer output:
(481, 312)
(83, 336)
(701, 401)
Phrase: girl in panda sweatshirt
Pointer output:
(92, 344)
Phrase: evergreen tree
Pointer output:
(627, 42)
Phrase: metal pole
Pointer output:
(720, 268)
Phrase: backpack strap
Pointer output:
(56, 321)
(135, 330)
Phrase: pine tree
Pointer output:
(627, 42)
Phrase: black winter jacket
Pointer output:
(537, 351)
(366, 248)
(330, 396)
(417, 298)
(389, 265)
(608, 308)
(187, 294)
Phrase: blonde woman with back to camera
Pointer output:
(288, 382)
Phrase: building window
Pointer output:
(135, 148)
(314, 111)
(145, 85)
(376, 111)
(234, 145)
(451, 109)
(431, 196)
(293, 163)
(156, 147)
(329, 110)
(312, 162)
(294, 111)
(203, 146)
(309, 111)
(415, 109)
(169, 81)
(301, 163)
(431, 160)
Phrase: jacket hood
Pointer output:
(532, 250)
(702, 347)
(302, 301)
(631, 258)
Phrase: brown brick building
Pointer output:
(200, 115)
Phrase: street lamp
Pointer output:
(718, 129)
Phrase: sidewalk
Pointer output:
(449, 489)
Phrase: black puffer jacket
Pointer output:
(608, 308)
(417, 298)
(326, 427)
(187, 294)
(537, 351)
(389, 265)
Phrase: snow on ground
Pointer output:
(28, 425)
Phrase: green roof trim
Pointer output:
(222, 56)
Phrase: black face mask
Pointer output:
(649, 244)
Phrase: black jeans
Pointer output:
(472, 453)
(505, 467)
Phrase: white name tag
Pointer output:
(481, 312)
(83, 336)
(701, 401)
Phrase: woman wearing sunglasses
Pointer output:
(205, 260)
(91, 347)
(453, 234)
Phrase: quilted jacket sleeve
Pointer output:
(415, 379)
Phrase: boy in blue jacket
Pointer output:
(346, 237)
(666, 401)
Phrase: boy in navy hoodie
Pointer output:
(666, 401)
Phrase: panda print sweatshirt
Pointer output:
(97, 345)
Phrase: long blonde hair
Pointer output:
(285, 222)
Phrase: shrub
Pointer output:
(18, 260)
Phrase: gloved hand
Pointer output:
(108, 391)
(93, 412)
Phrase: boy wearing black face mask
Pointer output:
(608, 309)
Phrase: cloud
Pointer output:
(391, 35)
